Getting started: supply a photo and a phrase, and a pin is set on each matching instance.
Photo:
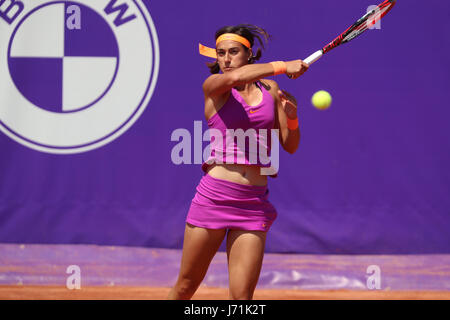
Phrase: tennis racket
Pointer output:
(367, 21)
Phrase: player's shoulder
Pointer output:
(269, 84)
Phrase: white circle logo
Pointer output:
(74, 75)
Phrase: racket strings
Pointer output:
(366, 22)
(355, 33)
(369, 22)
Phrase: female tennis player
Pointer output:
(232, 198)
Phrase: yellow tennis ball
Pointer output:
(321, 100)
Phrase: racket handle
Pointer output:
(314, 57)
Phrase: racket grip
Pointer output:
(314, 57)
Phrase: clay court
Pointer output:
(142, 293)
(39, 272)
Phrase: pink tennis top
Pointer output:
(241, 134)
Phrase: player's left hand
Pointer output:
(289, 104)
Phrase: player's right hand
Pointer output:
(296, 68)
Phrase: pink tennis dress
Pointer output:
(242, 134)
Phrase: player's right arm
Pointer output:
(219, 84)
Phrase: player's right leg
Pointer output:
(199, 247)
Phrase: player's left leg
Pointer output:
(245, 252)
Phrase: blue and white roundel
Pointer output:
(69, 68)
(75, 74)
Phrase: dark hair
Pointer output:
(249, 32)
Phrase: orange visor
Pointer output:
(210, 52)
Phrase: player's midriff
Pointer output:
(238, 173)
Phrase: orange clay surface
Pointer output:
(20, 292)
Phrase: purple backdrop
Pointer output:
(371, 174)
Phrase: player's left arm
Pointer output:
(285, 106)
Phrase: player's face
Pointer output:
(231, 55)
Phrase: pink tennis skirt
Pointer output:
(222, 204)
